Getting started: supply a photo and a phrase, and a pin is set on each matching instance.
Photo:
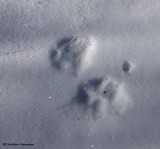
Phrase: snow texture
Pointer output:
(80, 74)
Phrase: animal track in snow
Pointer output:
(73, 53)
(102, 96)
(127, 67)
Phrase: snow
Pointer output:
(80, 74)
(88, 58)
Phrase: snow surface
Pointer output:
(80, 74)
